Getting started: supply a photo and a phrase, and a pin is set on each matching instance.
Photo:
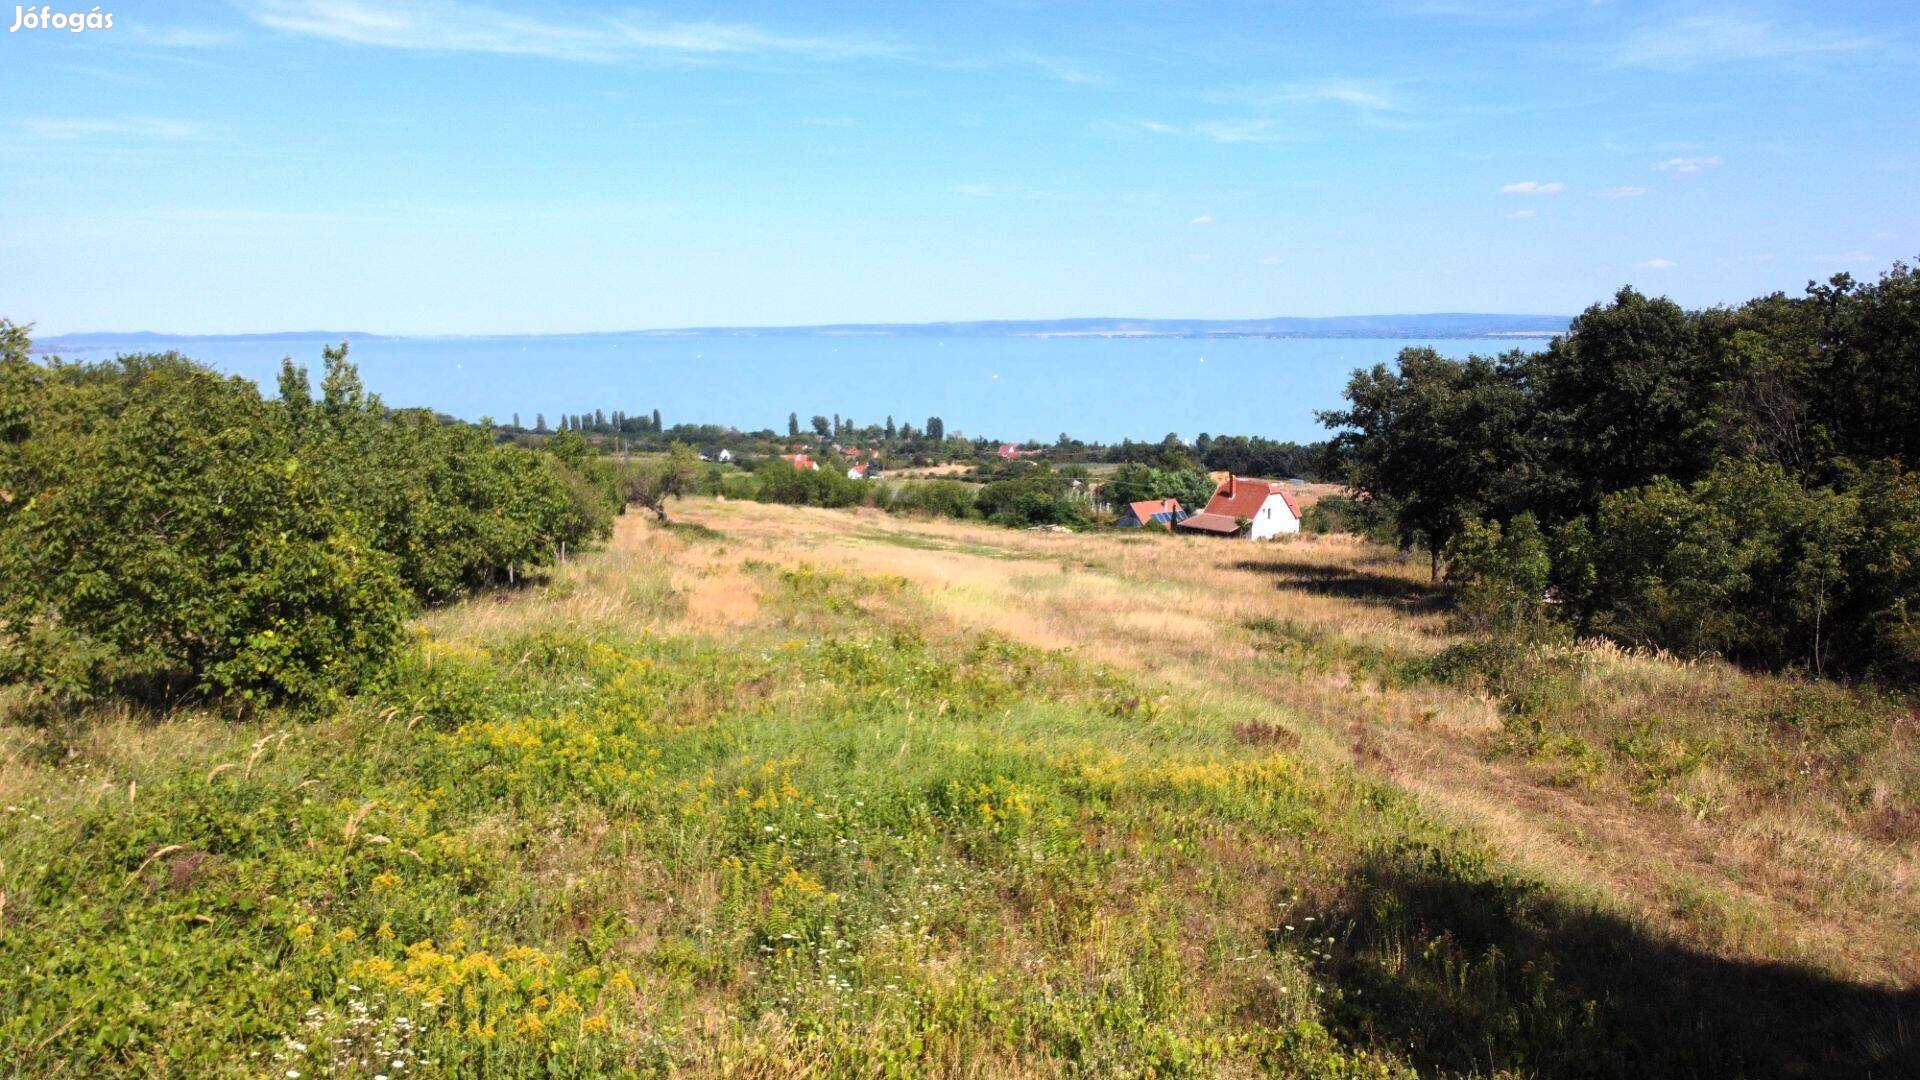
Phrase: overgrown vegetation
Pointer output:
(848, 839)
(165, 532)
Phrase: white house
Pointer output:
(1268, 509)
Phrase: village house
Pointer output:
(716, 453)
(1257, 509)
(1166, 512)
(800, 461)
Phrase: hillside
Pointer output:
(784, 791)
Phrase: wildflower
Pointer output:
(595, 1024)
(386, 879)
(346, 934)
(303, 932)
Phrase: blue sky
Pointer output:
(453, 167)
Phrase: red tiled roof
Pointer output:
(1144, 511)
(1240, 497)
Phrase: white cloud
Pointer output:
(1524, 213)
(1353, 93)
(1688, 166)
(1845, 258)
(1220, 131)
(1269, 260)
(1658, 264)
(1731, 37)
(458, 26)
(1621, 193)
(1203, 219)
(152, 128)
(1533, 187)
(183, 37)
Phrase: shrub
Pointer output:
(164, 539)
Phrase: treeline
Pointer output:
(166, 532)
(1735, 481)
(1029, 494)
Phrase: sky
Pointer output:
(446, 167)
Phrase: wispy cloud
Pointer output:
(1658, 264)
(1724, 37)
(1524, 213)
(1628, 192)
(1533, 187)
(144, 128)
(456, 26)
(1688, 166)
(1363, 95)
(1203, 219)
(1845, 258)
(1250, 130)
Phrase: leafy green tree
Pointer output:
(793, 425)
(1627, 394)
(936, 430)
(1135, 482)
(1438, 441)
(651, 483)
(168, 542)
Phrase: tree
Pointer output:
(793, 425)
(1440, 441)
(1627, 394)
(891, 430)
(540, 423)
(1135, 482)
(167, 542)
(657, 429)
(296, 394)
(936, 429)
(822, 426)
(651, 483)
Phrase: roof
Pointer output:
(1145, 511)
(1213, 523)
(1240, 497)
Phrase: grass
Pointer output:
(764, 796)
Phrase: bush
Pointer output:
(162, 538)
(936, 498)
(780, 482)
(1503, 574)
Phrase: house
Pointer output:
(1267, 508)
(1016, 451)
(800, 461)
(716, 453)
(1167, 512)
(862, 471)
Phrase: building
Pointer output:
(716, 453)
(1016, 451)
(1167, 512)
(1257, 509)
(800, 461)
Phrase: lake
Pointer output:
(1010, 388)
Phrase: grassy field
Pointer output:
(775, 791)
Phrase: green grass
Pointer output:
(842, 842)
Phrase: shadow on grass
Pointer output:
(1467, 971)
(1349, 583)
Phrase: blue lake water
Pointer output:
(1012, 388)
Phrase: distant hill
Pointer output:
(1433, 325)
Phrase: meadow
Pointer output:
(780, 791)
